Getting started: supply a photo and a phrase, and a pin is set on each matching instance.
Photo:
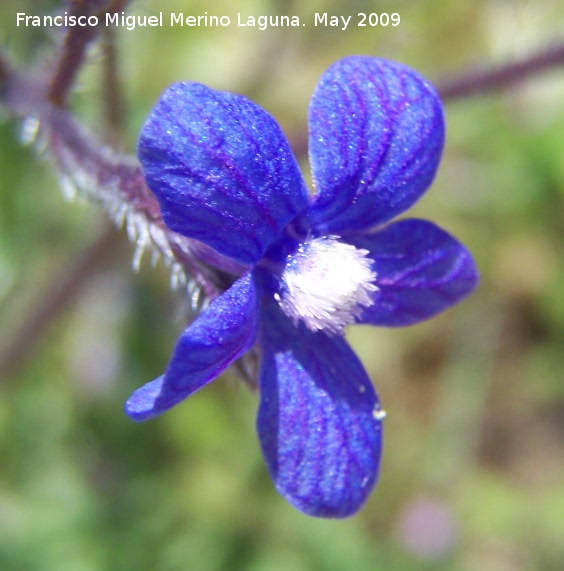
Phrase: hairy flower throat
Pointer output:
(326, 283)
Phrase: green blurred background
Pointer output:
(472, 471)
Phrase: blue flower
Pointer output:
(224, 174)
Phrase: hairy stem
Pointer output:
(76, 41)
(117, 183)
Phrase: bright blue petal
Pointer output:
(316, 421)
(221, 169)
(220, 335)
(376, 137)
(420, 271)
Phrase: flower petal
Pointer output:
(318, 421)
(224, 331)
(221, 169)
(420, 271)
(376, 137)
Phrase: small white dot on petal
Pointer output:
(379, 414)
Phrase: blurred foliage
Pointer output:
(472, 469)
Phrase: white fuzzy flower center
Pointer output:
(326, 283)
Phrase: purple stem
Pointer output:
(53, 299)
(76, 41)
(488, 79)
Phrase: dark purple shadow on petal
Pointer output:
(316, 423)
(224, 331)
(221, 169)
(376, 137)
(421, 270)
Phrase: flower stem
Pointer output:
(491, 79)
(4, 73)
(113, 105)
(65, 287)
(75, 44)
